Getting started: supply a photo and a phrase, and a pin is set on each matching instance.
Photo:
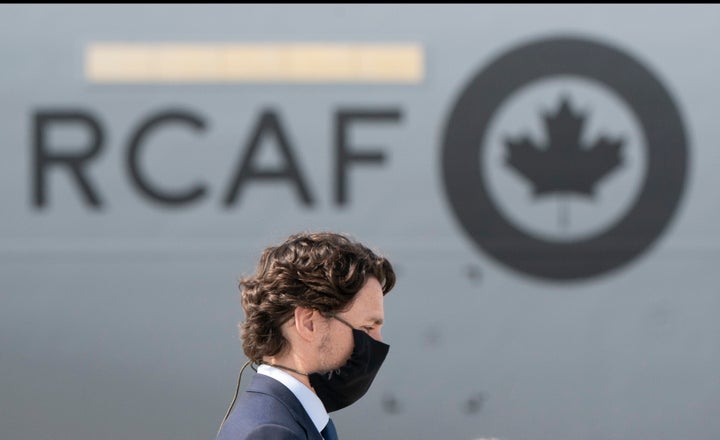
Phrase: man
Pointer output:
(313, 319)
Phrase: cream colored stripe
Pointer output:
(222, 63)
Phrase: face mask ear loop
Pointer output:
(343, 321)
(237, 391)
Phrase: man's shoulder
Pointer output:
(267, 409)
(274, 432)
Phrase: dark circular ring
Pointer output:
(464, 140)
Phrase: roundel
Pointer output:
(564, 158)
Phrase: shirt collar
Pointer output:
(308, 399)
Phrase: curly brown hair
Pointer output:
(322, 271)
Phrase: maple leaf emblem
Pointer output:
(563, 164)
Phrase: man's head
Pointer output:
(306, 280)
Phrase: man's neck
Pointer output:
(290, 366)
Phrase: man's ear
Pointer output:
(306, 322)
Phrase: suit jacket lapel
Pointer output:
(267, 385)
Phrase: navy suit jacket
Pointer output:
(268, 410)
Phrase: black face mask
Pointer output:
(345, 385)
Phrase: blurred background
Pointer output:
(543, 177)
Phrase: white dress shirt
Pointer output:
(308, 399)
